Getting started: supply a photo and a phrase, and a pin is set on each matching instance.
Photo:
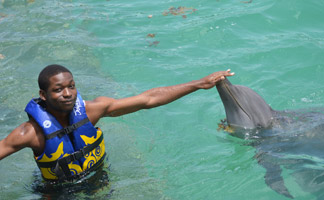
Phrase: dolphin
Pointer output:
(244, 107)
(293, 139)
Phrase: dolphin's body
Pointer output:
(292, 139)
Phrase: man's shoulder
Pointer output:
(26, 134)
(97, 108)
(32, 126)
(33, 136)
(98, 102)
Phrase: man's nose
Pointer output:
(67, 92)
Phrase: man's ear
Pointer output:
(42, 94)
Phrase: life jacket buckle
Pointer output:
(69, 129)
(78, 155)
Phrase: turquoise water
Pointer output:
(115, 49)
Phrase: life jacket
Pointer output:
(69, 152)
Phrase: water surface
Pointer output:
(115, 49)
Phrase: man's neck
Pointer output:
(61, 117)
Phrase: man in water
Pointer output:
(61, 131)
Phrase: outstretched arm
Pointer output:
(164, 95)
(104, 106)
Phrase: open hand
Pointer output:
(212, 79)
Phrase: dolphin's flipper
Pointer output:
(273, 176)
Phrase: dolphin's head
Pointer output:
(244, 108)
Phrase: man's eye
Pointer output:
(58, 90)
(72, 86)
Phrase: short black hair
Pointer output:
(47, 73)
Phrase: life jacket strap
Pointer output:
(67, 130)
(61, 168)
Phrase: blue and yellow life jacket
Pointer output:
(69, 152)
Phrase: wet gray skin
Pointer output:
(244, 107)
(283, 139)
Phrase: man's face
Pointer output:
(61, 93)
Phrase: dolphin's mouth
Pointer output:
(228, 89)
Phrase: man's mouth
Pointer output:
(69, 102)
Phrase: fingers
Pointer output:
(212, 79)
(228, 72)
(224, 74)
